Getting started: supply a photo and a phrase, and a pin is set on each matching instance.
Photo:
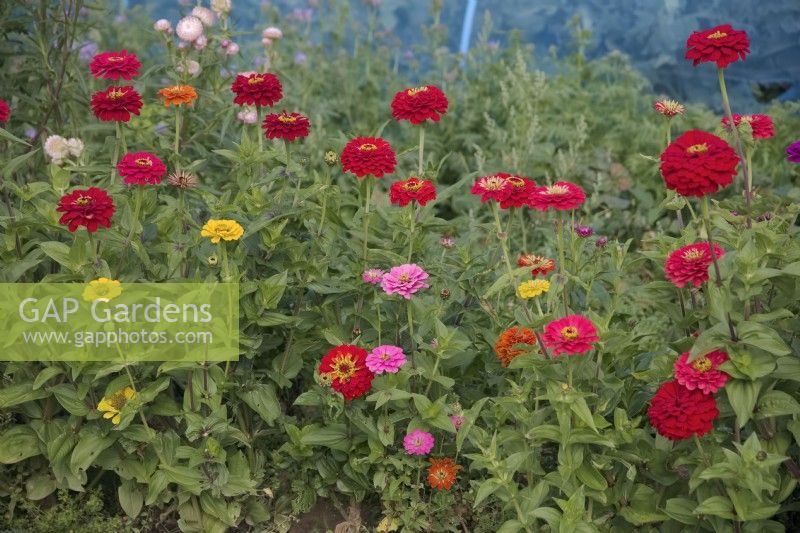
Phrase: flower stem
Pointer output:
(679, 212)
(562, 260)
(115, 157)
(137, 208)
(93, 249)
(177, 147)
(258, 130)
(324, 200)
(433, 373)
(409, 315)
(726, 105)
(420, 166)
(367, 195)
(223, 251)
(712, 251)
(413, 214)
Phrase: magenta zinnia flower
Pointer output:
(372, 276)
(404, 280)
(702, 373)
(572, 335)
(386, 359)
(418, 442)
(793, 152)
(457, 420)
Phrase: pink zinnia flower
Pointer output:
(562, 196)
(386, 358)
(572, 335)
(761, 126)
(702, 373)
(404, 280)
(689, 264)
(372, 276)
(457, 421)
(418, 442)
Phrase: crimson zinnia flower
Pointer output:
(91, 208)
(495, 187)
(5, 111)
(761, 125)
(141, 168)
(115, 65)
(419, 104)
(689, 264)
(368, 155)
(442, 473)
(698, 163)
(703, 373)
(345, 366)
(116, 103)
(678, 413)
(541, 265)
(721, 45)
(519, 193)
(572, 335)
(404, 191)
(562, 196)
(257, 89)
(287, 126)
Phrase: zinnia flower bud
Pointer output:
(668, 108)
(232, 49)
(601, 242)
(201, 42)
(272, 33)
(584, 231)
(163, 26)
(331, 157)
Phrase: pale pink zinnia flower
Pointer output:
(702, 373)
(205, 15)
(189, 28)
(386, 358)
(248, 116)
(372, 276)
(404, 280)
(272, 33)
(163, 26)
(418, 442)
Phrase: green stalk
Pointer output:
(258, 130)
(420, 167)
(93, 249)
(410, 317)
(115, 156)
(177, 146)
(413, 214)
(367, 195)
(223, 251)
(324, 200)
(137, 208)
(726, 105)
(717, 275)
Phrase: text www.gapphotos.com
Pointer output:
(79, 339)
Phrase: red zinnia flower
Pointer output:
(668, 108)
(5, 111)
(562, 195)
(703, 373)
(419, 104)
(721, 44)
(116, 103)
(573, 334)
(115, 65)
(345, 367)
(678, 413)
(761, 125)
(519, 193)
(541, 265)
(504, 347)
(368, 155)
(91, 208)
(495, 187)
(689, 264)
(141, 168)
(442, 473)
(698, 163)
(257, 89)
(287, 126)
(404, 191)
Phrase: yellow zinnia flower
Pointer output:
(533, 288)
(228, 230)
(102, 289)
(111, 407)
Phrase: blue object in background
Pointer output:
(466, 26)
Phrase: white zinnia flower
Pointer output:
(189, 28)
(75, 146)
(272, 33)
(248, 116)
(56, 148)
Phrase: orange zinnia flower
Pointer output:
(177, 95)
(504, 347)
(442, 473)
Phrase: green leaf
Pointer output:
(11, 137)
(131, 497)
(470, 417)
(45, 375)
(681, 510)
(581, 409)
(485, 489)
(18, 394)
(58, 252)
(510, 526)
(262, 399)
(333, 436)
(742, 396)
(716, 506)
(18, 444)
(187, 478)
(39, 486)
(88, 448)
(776, 403)
(12, 166)
(763, 337)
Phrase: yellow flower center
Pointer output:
(697, 148)
(717, 35)
(255, 80)
(694, 254)
(413, 185)
(287, 119)
(144, 162)
(116, 93)
(557, 189)
(343, 367)
(115, 59)
(416, 90)
(404, 277)
(516, 181)
(493, 183)
(83, 200)
(569, 333)
(703, 364)
(368, 147)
